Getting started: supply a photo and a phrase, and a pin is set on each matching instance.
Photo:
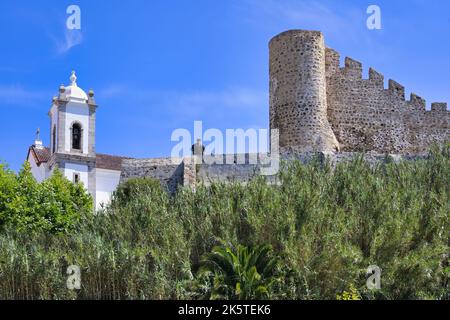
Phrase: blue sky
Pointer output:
(159, 65)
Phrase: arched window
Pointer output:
(54, 139)
(76, 136)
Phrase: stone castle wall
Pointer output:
(307, 80)
(366, 116)
(188, 174)
(163, 169)
(319, 108)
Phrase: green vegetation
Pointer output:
(325, 227)
(54, 206)
(241, 274)
(351, 294)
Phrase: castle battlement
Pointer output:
(439, 107)
(396, 89)
(353, 69)
(376, 78)
(320, 108)
(311, 93)
(417, 103)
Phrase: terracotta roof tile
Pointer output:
(106, 161)
(41, 155)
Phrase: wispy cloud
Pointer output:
(337, 23)
(230, 99)
(114, 91)
(190, 101)
(72, 38)
(343, 24)
(16, 95)
(215, 105)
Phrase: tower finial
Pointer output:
(73, 79)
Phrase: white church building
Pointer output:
(72, 145)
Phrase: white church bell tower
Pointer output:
(72, 134)
(72, 146)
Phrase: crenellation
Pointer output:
(319, 109)
(376, 77)
(417, 103)
(439, 107)
(363, 115)
(332, 61)
(353, 68)
(397, 89)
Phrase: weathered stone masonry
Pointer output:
(310, 92)
(162, 169)
(298, 101)
(321, 108)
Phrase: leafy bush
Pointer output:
(351, 294)
(135, 187)
(55, 205)
(326, 225)
(8, 185)
(242, 274)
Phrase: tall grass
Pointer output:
(327, 226)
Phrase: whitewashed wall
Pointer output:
(39, 172)
(82, 169)
(106, 183)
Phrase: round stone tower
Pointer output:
(298, 99)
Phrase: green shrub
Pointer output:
(8, 186)
(241, 274)
(135, 187)
(351, 294)
(55, 205)
(326, 226)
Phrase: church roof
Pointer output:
(74, 91)
(106, 161)
(103, 161)
(41, 154)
